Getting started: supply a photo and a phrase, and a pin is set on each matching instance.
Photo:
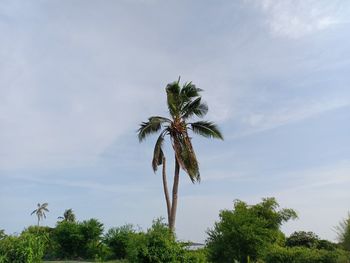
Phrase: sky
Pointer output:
(78, 77)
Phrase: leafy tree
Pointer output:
(69, 240)
(40, 211)
(343, 230)
(183, 103)
(246, 231)
(91, 230)
(68, 215)
(302, 239)
(118, 238)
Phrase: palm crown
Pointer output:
(68, 215)
(183, 103)
(40, 211)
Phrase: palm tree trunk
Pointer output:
(38, 221)
(174, 201)
(166, 192)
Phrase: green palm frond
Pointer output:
(173, 98)
(207, 129)
(158, 152)
(189, 91)
(195, 107)
(153, 125)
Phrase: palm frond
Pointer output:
(158, 152)
(173, 98)
(186, 157)
(33, 212)
(207, 129)
(153, 125)
(195, 107)
(189, 91)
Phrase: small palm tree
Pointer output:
(40, 211)
(183, 104)
(68, 215)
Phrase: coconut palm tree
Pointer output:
(183, 103)
(40, 211)
(68, 215)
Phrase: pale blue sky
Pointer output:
(77, 78)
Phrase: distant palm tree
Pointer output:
(40, 211)
(68, 215)
(183, 103)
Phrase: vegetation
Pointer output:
(183, 103)
(247, 233)
(243, 233)
(343, 230)
(40, 211)
(68, 216)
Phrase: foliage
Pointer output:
(2, 234)
(74, 240)
(325, 244)
(118, 238)
(157, 245)
(195, 256)
(278, 254)
(45, 233)
(68, 215)
(26, 248)
(91, 230)
(69, 240)
(246, 231)
(302, 239)
(343, 230)
(184, 102)
(40, 211)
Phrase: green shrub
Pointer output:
(302, 239)
(196, 256)
(91, 230)
(117, 240)
(68, 240)
(277, 254)
(157, 245)
(78, 240)
(45, 233)
(26, 248)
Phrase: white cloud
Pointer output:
(297, 18)
(261, 121)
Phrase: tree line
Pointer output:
(245, 233)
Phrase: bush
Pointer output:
(302, 239)
(26, 248)
(68, 240)
(158, 245)
(91, 230)
(78, 240)
(117, 240)
(277, 254)
(196, 256)
(45, 233)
